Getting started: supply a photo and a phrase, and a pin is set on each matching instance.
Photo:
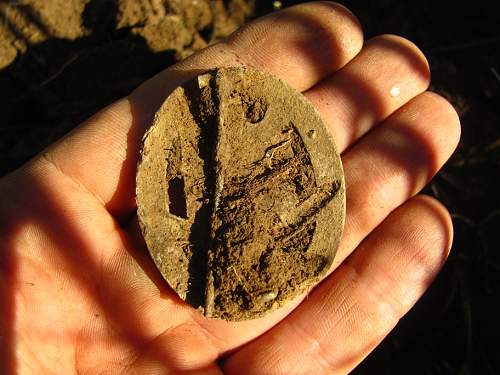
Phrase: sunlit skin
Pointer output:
(79, 293)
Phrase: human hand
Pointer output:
(79, 293)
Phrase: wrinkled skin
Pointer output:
(79, 294)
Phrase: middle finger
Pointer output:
(387, 73)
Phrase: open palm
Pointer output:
(79, 294)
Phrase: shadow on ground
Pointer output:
(59, 83)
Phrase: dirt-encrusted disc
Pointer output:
(240, 193)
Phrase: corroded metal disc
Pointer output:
(240, 193)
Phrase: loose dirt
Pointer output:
(61, 61)
(240, 193)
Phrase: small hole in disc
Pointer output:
(177, 197)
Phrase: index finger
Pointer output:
(300, 45)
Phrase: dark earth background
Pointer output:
(62, 60)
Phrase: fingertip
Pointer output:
(300, 44)
(450, 118)
(350, 29)
(439, 226)
(438, 121)
(409, 52)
